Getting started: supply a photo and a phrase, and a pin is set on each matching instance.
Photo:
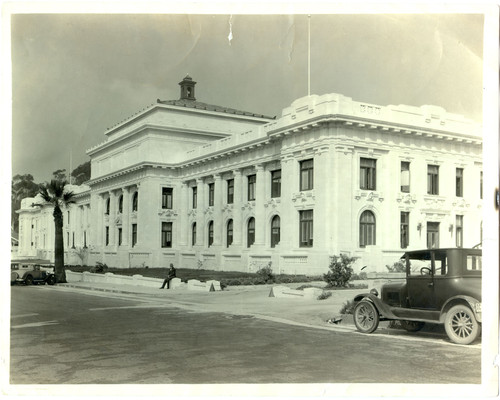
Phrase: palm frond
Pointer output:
(68, 198)
(44, 193)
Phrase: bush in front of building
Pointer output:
(340, 271)
(266, 274)
(398, 266)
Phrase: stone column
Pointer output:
(260, 197)
(112, 217)
(237, 228)
(218, 223)
(200, 214)
(289, 220)
(127, 209)
(183, 226)
(99, 219)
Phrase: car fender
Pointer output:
(383, 309)
(474, 304)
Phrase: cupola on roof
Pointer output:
(187, 88)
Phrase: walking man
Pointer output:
(170, 276)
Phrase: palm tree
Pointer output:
(53, 193)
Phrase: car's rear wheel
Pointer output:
(412, 326)
(461, 325)
(28, 280)
(366, 317)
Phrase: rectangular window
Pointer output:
(73, 241)
(367, 174)
(432, 235)
(405, 229)
(307, 175)
(405, 176)
(134, 234)
(107, 235)
(84, 239)
(306, 228)
(230, 191)
(119, 236)
(211, 194)
(459, 182)
(195, 197)
(459, 231)
(167, 198)
(252, 182)
(166, 234)
(276, 183)
(432, 179)
(474, 263)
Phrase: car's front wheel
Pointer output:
(28, 280)
(51, 280)
(461, 325)
(366, 317)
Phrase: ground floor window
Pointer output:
(275, 230)
(306, 228)
(119, 236)
(229, 235)
(459, 232)
(405, 229)
(193, 235)
(432, 235)
(166, 234)
(367, 229)
(251, 232)
(134, 234)
(210, 233)
(107, 236)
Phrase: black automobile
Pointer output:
(442, 286)
(31, 273)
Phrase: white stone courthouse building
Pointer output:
(211, 187)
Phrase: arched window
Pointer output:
(107, 205)
(275, 230)
(210, 233)
(367, 229)
(251, 232)
(229, 236)
(120, 204)
(135, 201)
(193, 234)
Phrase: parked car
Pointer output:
(442, 286)
(31, 273)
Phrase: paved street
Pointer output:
(71, 337)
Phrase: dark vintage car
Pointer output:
(31, 273)
(442, 286)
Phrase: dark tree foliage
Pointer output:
(59, 175)
(81, 173)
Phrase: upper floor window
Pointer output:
(166, 234)
(195, 197)
(211, 194)
(367, 229)
(275, 230)
(229, 233)
(167, 195)
(307, 175)
(432, 179)
(306, 228)
(276, 183)
(252, 182)
(108, 202)
(251, 232)
(210, 233)
(230, 191)
(405, 176)
(120, 204)
(459, 182)
(367, 174)
(135, 201)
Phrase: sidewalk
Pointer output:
(241, 300)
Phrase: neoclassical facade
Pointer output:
(211, 187)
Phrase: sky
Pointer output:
(75, 75)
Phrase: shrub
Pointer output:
(100, 268)
(265, 275)
(340, 271)
(348, 307)
(324, 295)
(359, 277)
(398, 266)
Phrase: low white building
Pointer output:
(206, 186)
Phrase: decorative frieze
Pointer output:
(406, 198)
(272, 203)
(370, 196)
(302, 197)
(169, 213)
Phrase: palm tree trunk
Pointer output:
(59, 246)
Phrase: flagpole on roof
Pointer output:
(309, 55)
